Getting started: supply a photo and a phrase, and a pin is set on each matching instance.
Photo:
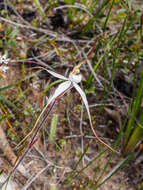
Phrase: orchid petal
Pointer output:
(81, 92)
(60, 90)
(57, 75)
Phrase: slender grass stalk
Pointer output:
(108, 16)
(71, 176)
(93, 19)
(92, 183)
(37, 3)
(75, 173)
(116, 53)
(115, 170)
(134, 133)
(103, 171)
(136, 137)
(95, 185)
(91, 77)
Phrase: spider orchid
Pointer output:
(72, 81)
(74, 78)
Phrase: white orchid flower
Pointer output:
(74, 78)
(70, 82)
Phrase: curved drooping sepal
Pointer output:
(83, 96)
(60, 90)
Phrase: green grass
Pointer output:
(134, 131)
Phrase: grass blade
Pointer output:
(116, 169)
(37, 3)
(135, 110)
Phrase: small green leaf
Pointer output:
(53, 127)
